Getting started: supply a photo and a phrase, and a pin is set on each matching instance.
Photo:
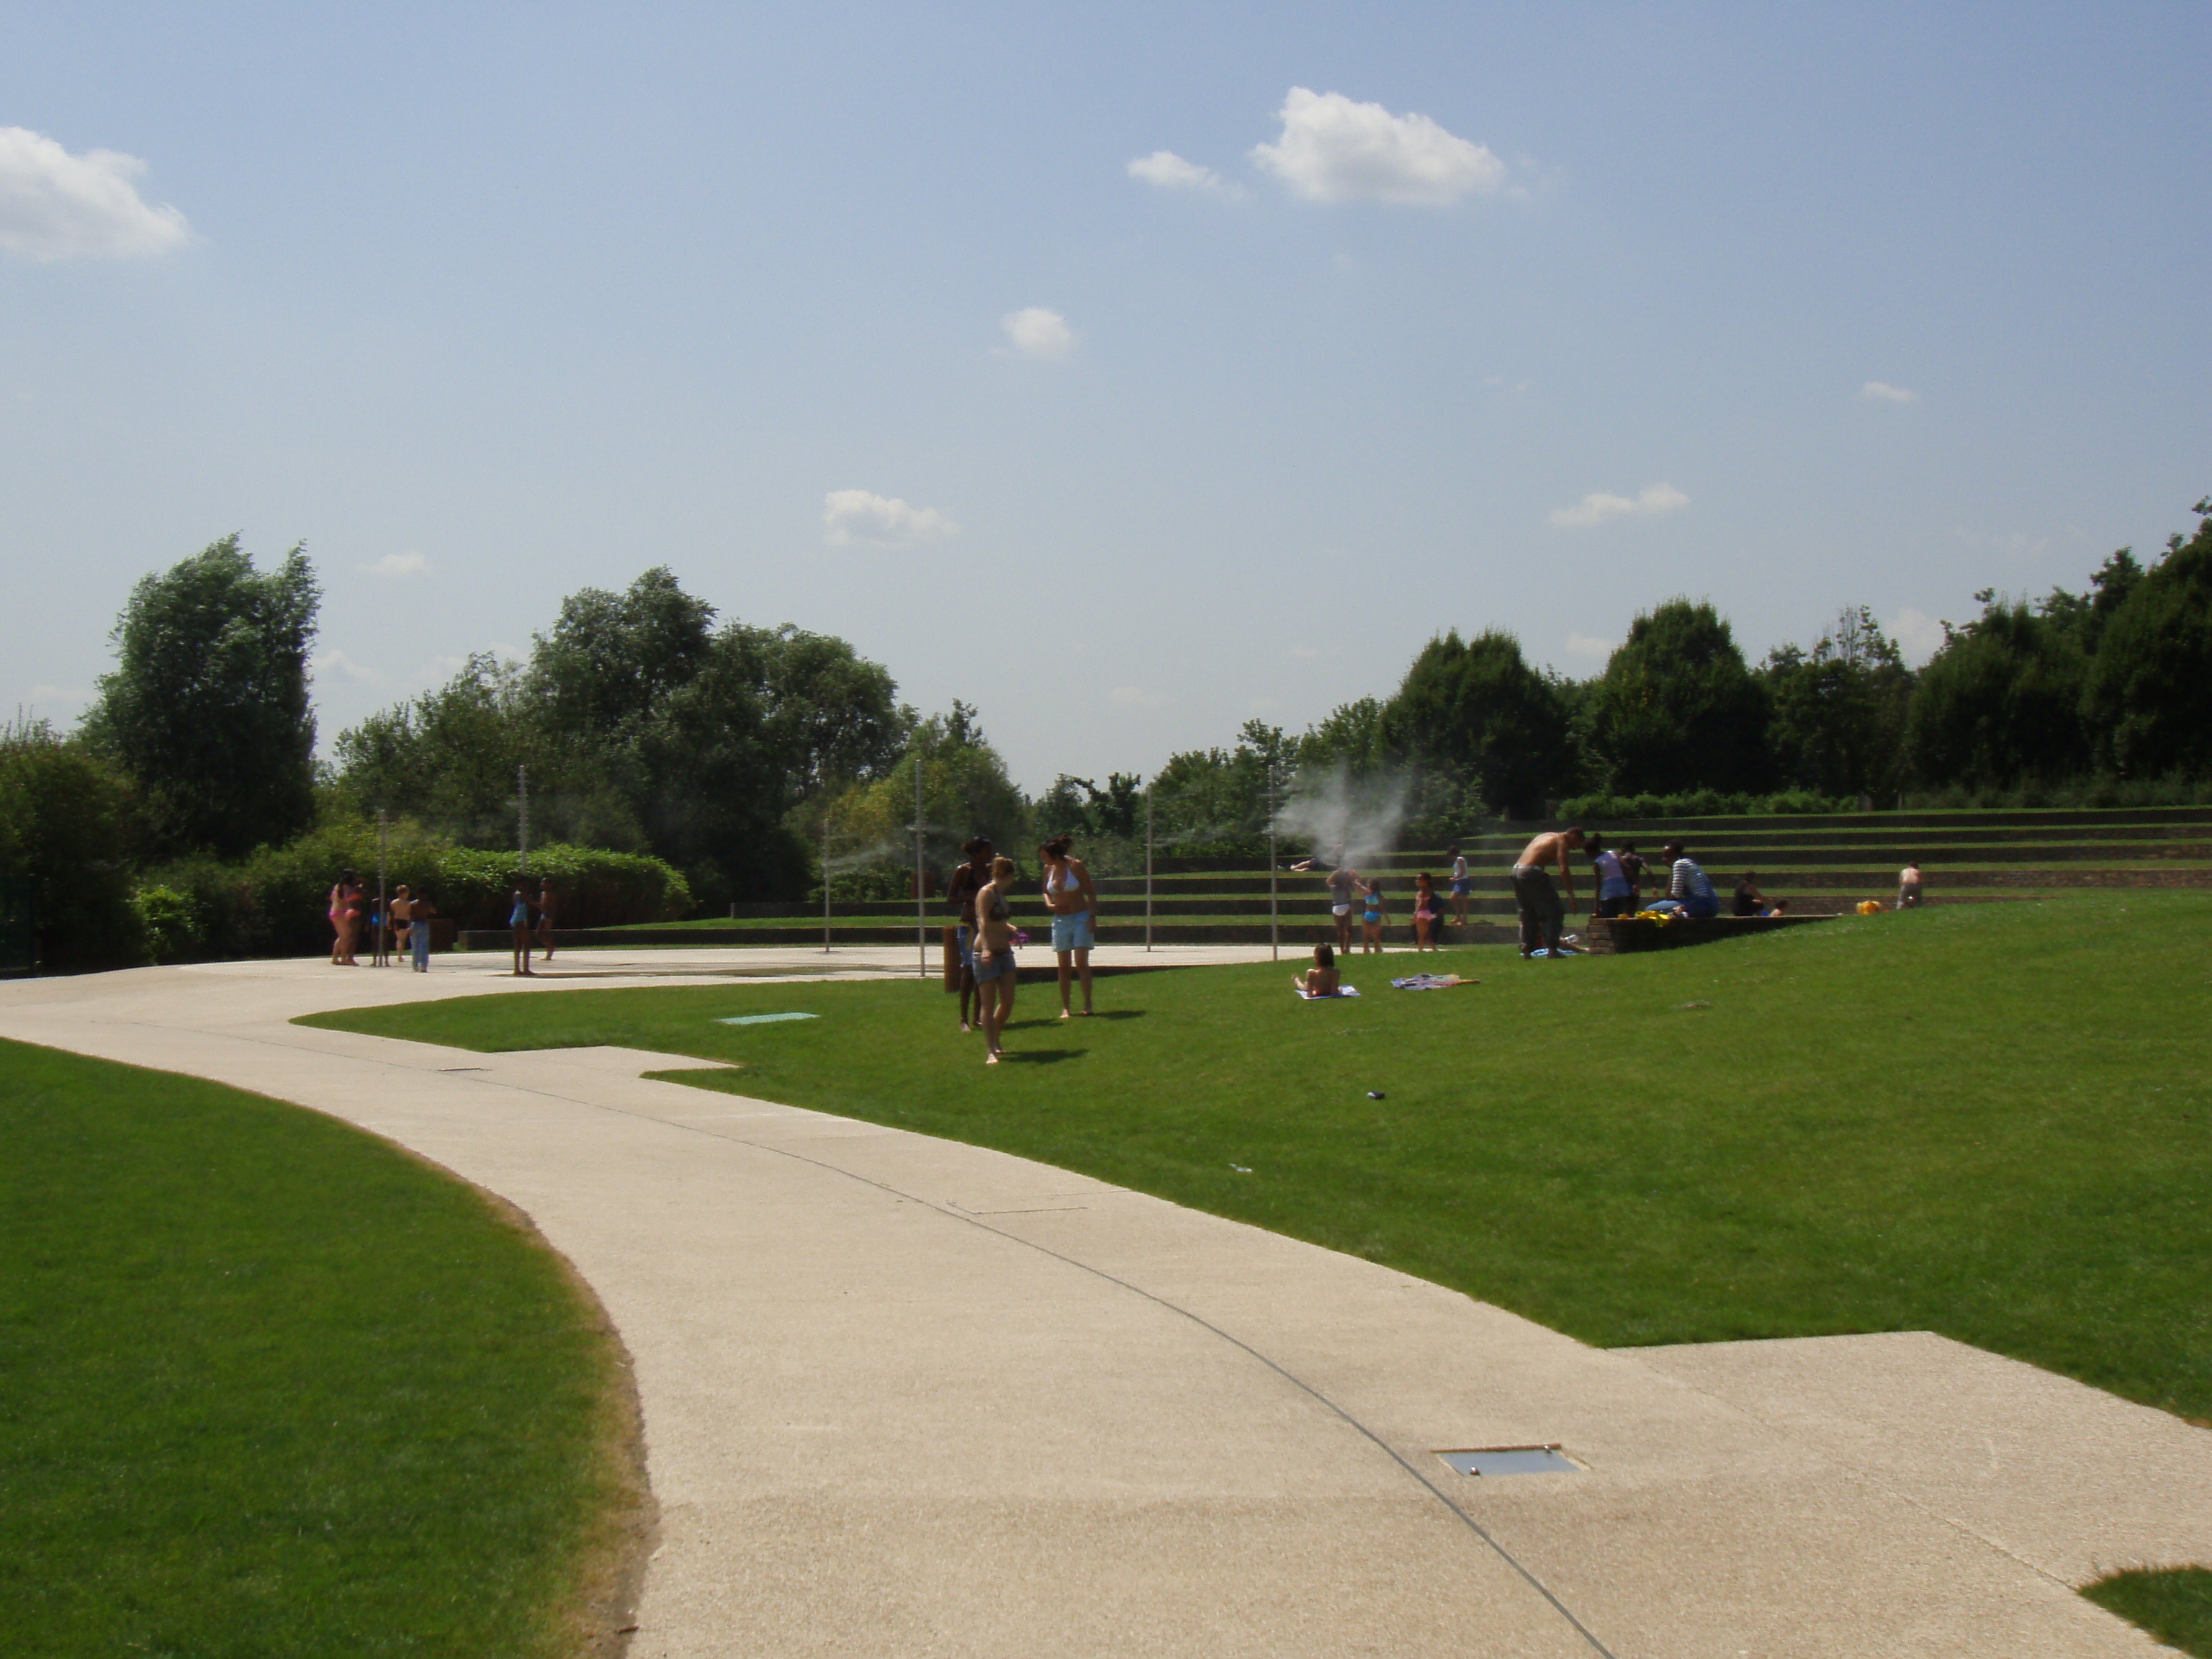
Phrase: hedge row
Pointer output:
(276, 902)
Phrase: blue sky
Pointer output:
(858, 318)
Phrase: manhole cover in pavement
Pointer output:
(759, 1019)
(1511, 1460)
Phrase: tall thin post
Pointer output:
(522, 799)
(1275, 908)
(825, 881)
(1148, 866)
(383, 922)
(921, 918)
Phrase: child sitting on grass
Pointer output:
(1321, 979)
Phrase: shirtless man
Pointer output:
(1344, 886)
(1542, 915)
(1909, 896)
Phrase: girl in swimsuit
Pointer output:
(519, 919)
(995, 958)
(345, 916)
(1428, 914)
(1072, 900)
(1377, 917)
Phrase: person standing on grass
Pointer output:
(1073, 898)
(1689, 889)
(547, 903)
(1614, 895)
(1463, 884)
(518, 922)
(1633, 867)
(1343, 889)
(420, 912)
(961, 888)
(1909, 896)
(1428, 913)
(1375, 915)
(1542, 915)
(994, 957)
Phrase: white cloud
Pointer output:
(1597, 507)
(1335, 150)
(1586, 645)
(399, 564)
(1135, 696)
(1877, 391)
(1917, 635)
(338, 662)
(1037, 332)
(1168, 170)
(857, 515)
(54, 205)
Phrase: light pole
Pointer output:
(921, 920)
(825, 881)
(1274, 909)
(1148, 866)
(522, 801)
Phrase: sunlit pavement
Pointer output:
(903, 1395)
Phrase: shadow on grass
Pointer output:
(1039, 1056)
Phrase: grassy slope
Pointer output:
(1990, 1121)
(269, 1386)
(2175, 1605)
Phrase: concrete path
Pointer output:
(908, 1397)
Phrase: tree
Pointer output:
(1078, 807)
(965, 791)
(2149, 691)
(207, 706)
(1479, 712)
(1222, 795)
(1839, 710)
(66, 821)
(1677, 709)
(1998, 705)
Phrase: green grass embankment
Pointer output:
(269, 1385)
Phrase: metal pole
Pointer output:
(825, 881)
(522, 796)
(921, 921)
(378, 955)
(1148, 866)
(1275, 910)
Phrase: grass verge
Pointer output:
(2175, 1605)
(269, 1385)
(1991, 1121)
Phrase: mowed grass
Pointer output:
(269, 1386)
(1991, 1121)
(2174, 1605)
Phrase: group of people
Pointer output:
(1348, 888)
(982, 891)
(402, 928)
(1621, 875)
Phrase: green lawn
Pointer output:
(271, 1386)
(1992, 1121)
(2175, 1605)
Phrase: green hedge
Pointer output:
(277, 900)
(1703, 804)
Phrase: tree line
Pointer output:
(756, 763)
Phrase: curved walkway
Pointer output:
(907, 1397)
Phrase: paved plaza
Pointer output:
(903, 1396)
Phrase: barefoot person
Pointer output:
(1073, 898)
(1428, 913)
(420, 912)
(1462, 885)
(1343, 882)
(1375, 915)
(1538, 899)
(994, 957)
(960, 889)
(518, 922)
(1909, 894)
(1321, 980)
(403, 919)
(345, 918)
(547, 903)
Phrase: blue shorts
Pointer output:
(1461, 889)
(989, 967)
(967, 946)
(1074, 932)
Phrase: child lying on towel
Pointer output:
(1321, 980)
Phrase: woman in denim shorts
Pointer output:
(1073, 898)
(994, 957)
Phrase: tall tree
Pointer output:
(1839, 708)
(1479, 711)
(1999, 704)
(2149, 695)
(1677, 709)
(207, 706)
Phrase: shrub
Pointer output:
(169, 922)
(67, 820)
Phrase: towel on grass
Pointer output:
(1431, 982)
(1305, 995)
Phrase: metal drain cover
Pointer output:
(1511, 1460)
(762, 1019)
